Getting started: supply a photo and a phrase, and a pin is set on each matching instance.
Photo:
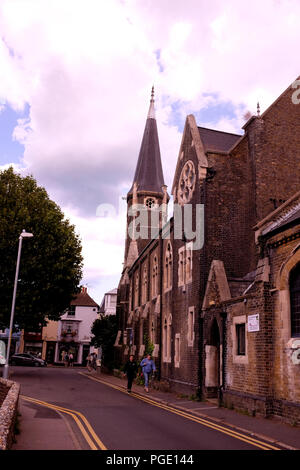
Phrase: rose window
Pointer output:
(187, 183)
(150, 202)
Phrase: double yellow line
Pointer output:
(84, 426)
(210, 424)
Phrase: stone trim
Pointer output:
(177, 350)
(191, 326)
(241, 319)
(8, 412)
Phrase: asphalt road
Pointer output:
(121, 421)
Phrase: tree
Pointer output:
(104, 330)
(51, 261)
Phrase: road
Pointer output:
(120, 421)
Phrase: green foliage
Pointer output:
(51, 261)
(104, 331)
(149, 346)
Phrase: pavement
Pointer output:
(43, 433)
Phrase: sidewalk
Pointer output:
(272, 429)
(43, 429)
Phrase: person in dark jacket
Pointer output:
(130, 370)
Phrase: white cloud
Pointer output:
(86, 67)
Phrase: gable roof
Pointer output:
(286, 214)
(264, 114)
(83, 300)
(113, 291)
(217, 141)
(217, 288)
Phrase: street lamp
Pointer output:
(24, 234)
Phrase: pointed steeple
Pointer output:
(148, 174)
(151, 112)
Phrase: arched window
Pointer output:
(168, 267)
(167, 339)
(136, 293)
(295, 301)
(145, 285)
(154, 277)
(152, 331)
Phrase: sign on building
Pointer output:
(253, 322)
(2, 352)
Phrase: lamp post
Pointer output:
(24, 234)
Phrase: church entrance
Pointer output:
(213, 361)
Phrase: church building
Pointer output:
(215, 290)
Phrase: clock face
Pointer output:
(187, 183)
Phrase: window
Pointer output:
(191, 322)
(149, 202)
(154, 277)
(181, 267)
(295, 301)
(168, 267)
(141, 333)
(165, 333)
(241, 339)
(177, 350)
(71, 311)
(187, 183)
(167, 336)
(145, 285)
(152, 332)
(136, 290)
(188, 261)
(185, 265)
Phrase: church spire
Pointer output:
(151, 112)
(148, 174)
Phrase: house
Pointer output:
(109, 303)
(74, 328)
(71, 333)
(215, 289)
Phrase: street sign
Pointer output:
(253, 322)
(2, 352)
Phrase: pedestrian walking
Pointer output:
(93, 361)
(71, 360)
(130, 369)
(66, 360)
(148, 368)
(89, 363)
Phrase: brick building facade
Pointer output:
(192, 301)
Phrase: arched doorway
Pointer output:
(213, 358)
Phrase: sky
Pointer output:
(75, 84)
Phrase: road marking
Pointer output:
(204, 422)
(206, 408)
(89, 434)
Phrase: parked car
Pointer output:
(26, 359)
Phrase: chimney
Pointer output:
(84, 290)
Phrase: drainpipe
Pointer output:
(224, 346)
(200, 319)
(200, 356)
(160, 309)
